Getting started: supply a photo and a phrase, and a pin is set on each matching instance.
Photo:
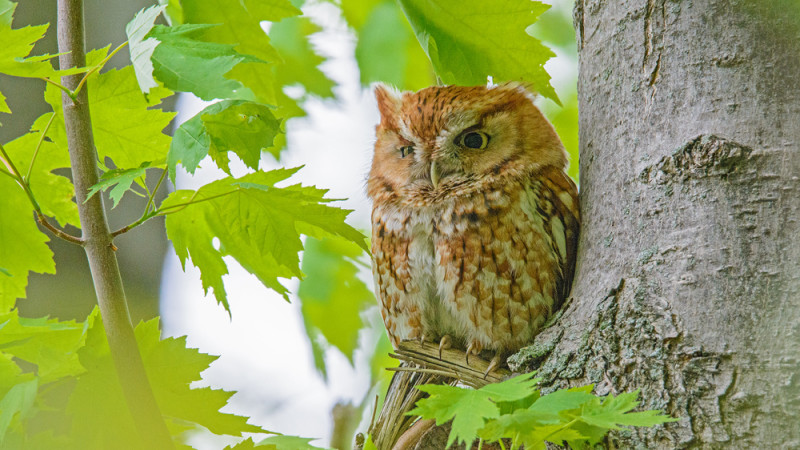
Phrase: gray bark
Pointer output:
(688, 274)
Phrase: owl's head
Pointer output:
(443, 139)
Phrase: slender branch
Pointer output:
(65, 236)
(38, 146)
(141, 402)
(98, 67)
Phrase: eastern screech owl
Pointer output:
(474, 221)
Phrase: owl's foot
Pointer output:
(474, 348)
(494, 364)
(444, 344)
(422, 341)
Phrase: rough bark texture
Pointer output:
(688, 285)
(689, 270)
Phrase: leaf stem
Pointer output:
(17, 176)
(5, 172)
(98, 67)
(164, 211)
(60, 86)
(191, 202)
(38, 146)
(155, 189)
(567, 425)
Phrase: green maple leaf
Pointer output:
(142, 47)
(282, 442)
(53, 192)
(18, 401)
(468, 40)
(387, 49)
(24, 247)
(255, 222)
(300, 62)
(17, 45)
(49, 344)
(470, 408)
(242, 28)
(332, 296)
(119, 180)
(611, 412)
(127, 128)
(97, 408)
(186, 64)
(238, 126)
(3, 105)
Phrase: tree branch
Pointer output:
(98, 246)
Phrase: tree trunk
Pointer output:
(688, 285)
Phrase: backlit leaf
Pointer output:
(465, 47)
(332, 296)
(242, 127)
(255, 222)
(142, 47)
(468, 408)
(119, 180)
(186, 64)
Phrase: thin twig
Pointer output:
(65, 236)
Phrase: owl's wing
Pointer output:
(563, 224)
(394, 287)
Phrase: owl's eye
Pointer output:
(406, 150)
(475, 139)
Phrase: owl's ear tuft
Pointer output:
(388, 105)
(523, 88)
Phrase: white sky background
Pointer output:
(264, 353)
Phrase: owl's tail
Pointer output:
(392, 422)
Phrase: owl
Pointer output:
(474, 221)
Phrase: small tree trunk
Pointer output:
(688, 285)
(97, 238)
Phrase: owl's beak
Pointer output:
(434, 174)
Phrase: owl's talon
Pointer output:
(494, 364)
(444, 344)
(473, 349)
(422, 341)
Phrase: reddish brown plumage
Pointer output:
(481, 247)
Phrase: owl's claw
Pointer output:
(422, 341)
(473, 349)
(444, 344)
(494, 364)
